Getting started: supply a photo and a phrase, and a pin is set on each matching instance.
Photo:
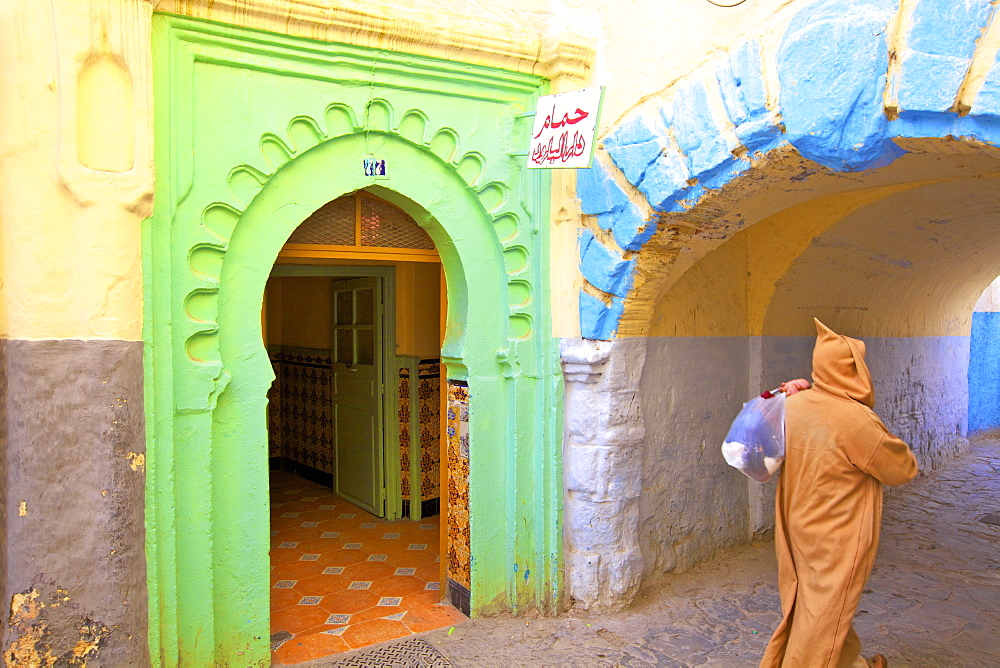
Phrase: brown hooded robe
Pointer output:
(828, 509)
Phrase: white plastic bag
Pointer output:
(755, 444)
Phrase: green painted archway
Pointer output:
(231, 187)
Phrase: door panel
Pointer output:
(357, 393)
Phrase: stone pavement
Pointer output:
(933, 599)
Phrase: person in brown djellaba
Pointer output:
(828, 510)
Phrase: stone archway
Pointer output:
(859, 95)
(216, 231)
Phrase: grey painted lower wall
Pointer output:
(692, 503)
(72, 461)
(921, 387)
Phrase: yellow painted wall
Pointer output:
(76, 173)
(887, 253)
(304, 312)
(298, 310)
(418, 313)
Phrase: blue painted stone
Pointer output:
(630, 229)
(832, 68)
(983, 128)
(724, 173)
(947, 27)
(665, 180)
(741, 82)
(984, 372)
(605, 270)
(634, 145)
(761, 136)
(696, 132)
(598, 321)
(634, 159)
(600, 196)
(940, 45)
(930, 83)
(597, 191)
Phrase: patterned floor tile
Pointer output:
(338, 619)
(324, 550)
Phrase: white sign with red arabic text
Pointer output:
(565, 129)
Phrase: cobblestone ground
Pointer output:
(933, 599)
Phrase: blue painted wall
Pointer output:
(984, 372)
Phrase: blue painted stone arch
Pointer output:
(843, 99)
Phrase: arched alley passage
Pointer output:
(838, 176)
(899, 263)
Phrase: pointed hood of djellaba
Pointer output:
(839, 366)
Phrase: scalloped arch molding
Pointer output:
(849, 77)
(254, 132)
(375, 131)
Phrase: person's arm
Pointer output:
(892, 462)
(790, 387)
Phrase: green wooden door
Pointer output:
(358, 393)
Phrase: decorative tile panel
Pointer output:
(404, 432)
(300, 415)
(427, 403)
(458, 483)
(429, 389)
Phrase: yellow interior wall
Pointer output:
(865, 260)
(418, 309)
(710, 299)
(305, 311)
(910, 263)
(298, 310)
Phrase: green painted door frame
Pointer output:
(255, 131)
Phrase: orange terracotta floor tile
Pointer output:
(342, 579)
(375, 631)
(308, 647)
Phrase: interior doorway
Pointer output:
(353, 333)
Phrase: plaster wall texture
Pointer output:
(75, 168)
(693, 503)
(922, 393)
(75, 183)
(602, 465)
(72, 456)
